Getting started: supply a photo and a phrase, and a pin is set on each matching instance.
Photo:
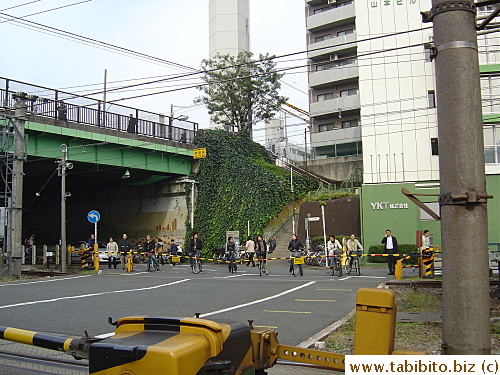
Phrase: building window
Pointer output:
(323, 97)
(325, 66)
(342, 149)
(431, 96)
(347, 61)
(321, 10)
(342, 4)
(491, 134)
(434, 146)
(348, 92)
(349, 124)
(326, 127)
(321, 38)
(345, 32)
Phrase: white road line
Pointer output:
(90, 295)
(344, 278)
(372, 277)
(43, 281)
(134, 274)
(258, 301)
(226, 277)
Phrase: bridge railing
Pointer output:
(80, 109)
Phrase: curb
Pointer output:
(332, 327)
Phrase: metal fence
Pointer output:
(64, 106)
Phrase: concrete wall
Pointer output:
(338, 169)
(342, 217)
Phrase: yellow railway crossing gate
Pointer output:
(199, 153)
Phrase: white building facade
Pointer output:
(373, 106)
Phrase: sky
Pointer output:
(176, 31)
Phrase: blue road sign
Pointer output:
(93, 216)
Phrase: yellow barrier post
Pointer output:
(96, 257)
(130, 261)
(375, 321)
(428, 261)
(398, 273)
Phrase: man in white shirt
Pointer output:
(390, 247)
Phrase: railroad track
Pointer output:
(42, 363)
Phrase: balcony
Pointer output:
(331, 18)
(337, 136)
(314, 2)
(331, 106)
(332, 45)
(334, 75)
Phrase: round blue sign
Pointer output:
(93, 216)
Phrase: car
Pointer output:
(101, 247)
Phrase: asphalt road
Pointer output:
(298, 307)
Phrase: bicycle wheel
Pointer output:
(339, 266)
(197, 266)
(260, 267)
(321, 259)
(356, 267)
(295, 270)
(348, 265)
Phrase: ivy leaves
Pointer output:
(237, 183)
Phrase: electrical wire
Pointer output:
(40, 191)
(20, 5)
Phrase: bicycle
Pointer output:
(232, 266)
(196, 264)
(152, 263)
(296, 262)
(352, 263)
(260, 262)
(336, 265)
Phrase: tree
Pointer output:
(241, 91)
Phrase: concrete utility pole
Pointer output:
(464, 231)
(17, 185)
(63, 165)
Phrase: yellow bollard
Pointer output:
(130, 261)
(96, 257)
(398, 272)
(375, 321)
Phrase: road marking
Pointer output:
(134, 274)
(342, 279)
(258, 301)
(342, 290)
(44, 281)
(226, 277)
(90, 295)
(315, 300)
(289, 312)
(372, 277)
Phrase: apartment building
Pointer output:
(373, 106)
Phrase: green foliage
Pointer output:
(330, 196)
(240, 90)
(236, 183)
(403, 249)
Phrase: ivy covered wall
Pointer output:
(238, 182)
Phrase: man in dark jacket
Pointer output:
(124, 248)
(195, 245)
(390, 247)
(295, 247)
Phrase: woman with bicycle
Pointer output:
(261, 251)
(295, 247)
(334, 248)
(231, 254)
(149, 248)
(195, 247)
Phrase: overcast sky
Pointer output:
(172, 30)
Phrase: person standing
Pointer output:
(426, 240)
(29, 242)
(295, 247)
(111, 249)
(333, 248)
(124, 247)
(61, 111)
(195, 245)
(174, 250)
(272, 244)
(91, 242)
(250, 246)
(390, 247)
(261, 251)
(159, 250)
(149, 248)
(132, 124)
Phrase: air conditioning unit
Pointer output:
(334, 57)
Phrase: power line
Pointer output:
(48, 10)
(20, 5)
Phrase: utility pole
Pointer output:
(464, 230)
(17, 185)
(305, 148)
(63, 165)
